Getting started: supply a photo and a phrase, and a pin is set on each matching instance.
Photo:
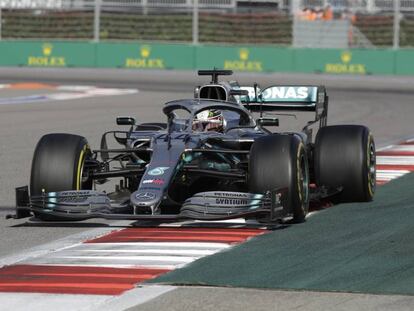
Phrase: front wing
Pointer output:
(212, 205)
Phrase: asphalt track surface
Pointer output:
(384, 104)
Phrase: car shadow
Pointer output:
(63, 224)
(214, 225)
(7, 213)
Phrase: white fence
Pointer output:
(112, 4)
(367, 6)
(361, 6)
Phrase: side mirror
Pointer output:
(125, 121)
(267, 122)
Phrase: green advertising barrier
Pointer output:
(353, 61)
(244, 58)
(188, 57)
(274, 59)
(47, 54)
(404, 64)
(145, 56)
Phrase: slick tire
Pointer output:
(344, 157)
(57, 165)
(280, 161)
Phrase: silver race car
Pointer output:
(211, 160)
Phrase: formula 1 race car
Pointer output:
(211, 160)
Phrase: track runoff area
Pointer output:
(117, 262)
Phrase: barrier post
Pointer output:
(97, 20)
(195, 22)
(0, 22)
(396, 38)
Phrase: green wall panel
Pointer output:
(344, 61)
(404, 62)
(244, 58)
(188, 57)
(47, 54)
(145, 56)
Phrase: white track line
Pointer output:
(152, 251)
(41, 302)
(405, 148)
(75, 88)
(164, 262)
(70, 241)
(136, 254)
(176, 252)
(386, 175)
(194, 245)
(69, 92)
(111, 265)
(395, 160)
(137, 259)
(391, 173)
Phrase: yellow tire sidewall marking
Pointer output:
(81, 161)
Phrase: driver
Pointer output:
(209, 120)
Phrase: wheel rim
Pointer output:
(372, 169)
(303, 181)
(84, 175)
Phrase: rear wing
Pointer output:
(290, 97)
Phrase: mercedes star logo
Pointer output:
(145, 196)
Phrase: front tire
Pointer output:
(57, 165)
(280, 161)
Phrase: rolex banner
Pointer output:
(145, 56)
(245, 58)
(47, 54)
(241, 58)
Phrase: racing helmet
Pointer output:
(209, 120)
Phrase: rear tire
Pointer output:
(345, 157)
(57, 165)
(280, 161)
